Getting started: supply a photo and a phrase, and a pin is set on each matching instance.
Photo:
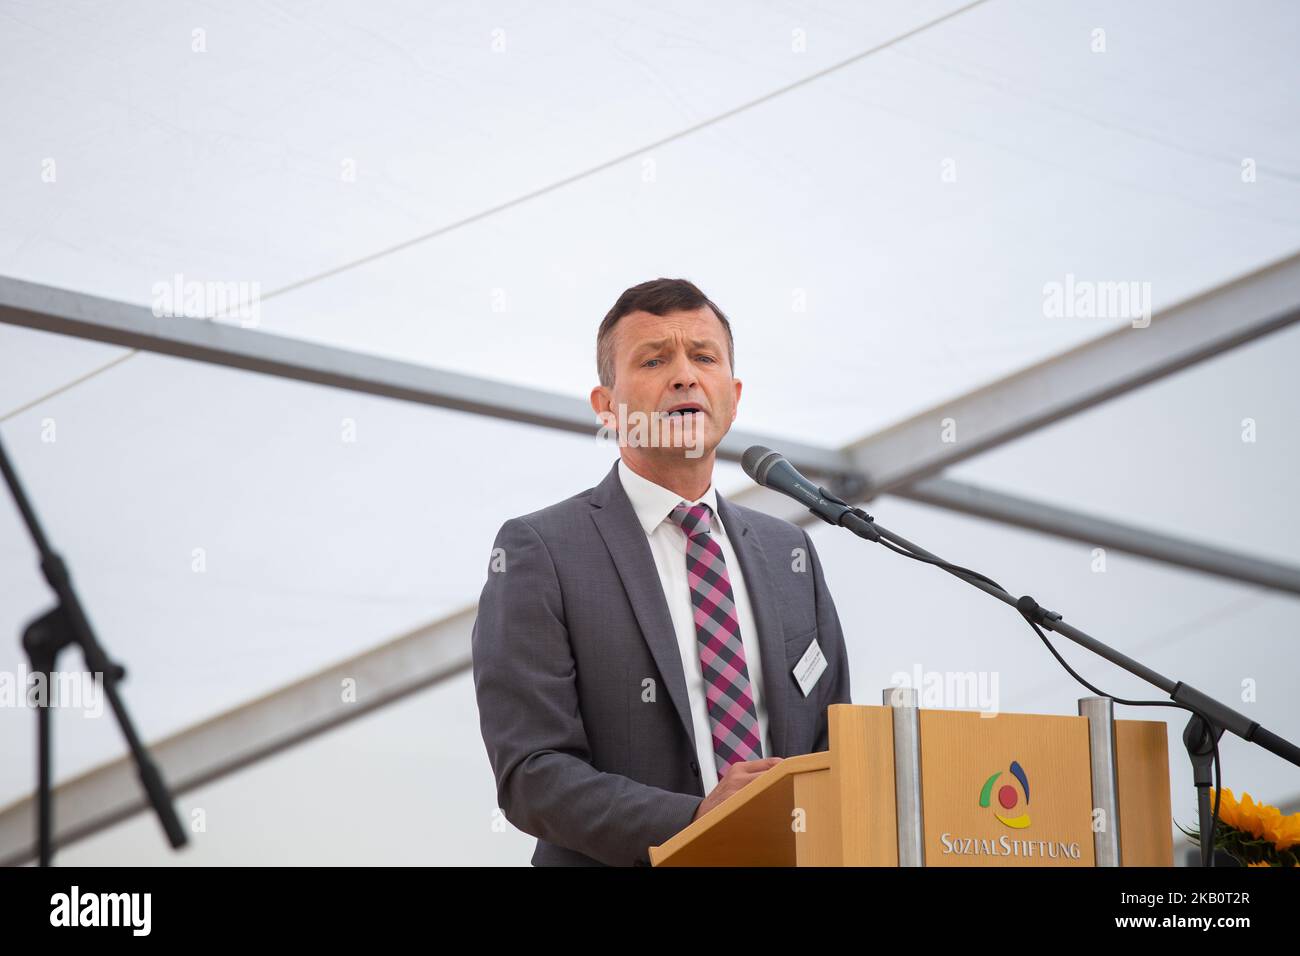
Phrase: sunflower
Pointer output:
(1254, 834)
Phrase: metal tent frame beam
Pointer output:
(1075, 526)
(1019, 512)
(1192, 331)
(207, 751)
(64, 312)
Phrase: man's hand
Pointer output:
(735, 777)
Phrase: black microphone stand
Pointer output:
(1209, 720)
(66, 623)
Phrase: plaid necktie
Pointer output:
(722, 655)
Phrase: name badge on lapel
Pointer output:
(810, 667)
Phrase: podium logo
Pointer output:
(1008, 798)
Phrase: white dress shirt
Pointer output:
(653, 503)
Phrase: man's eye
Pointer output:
(647, 362)
(707, 358)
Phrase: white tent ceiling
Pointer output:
(515, 169)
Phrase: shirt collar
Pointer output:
(653, 503)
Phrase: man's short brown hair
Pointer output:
(658, 297)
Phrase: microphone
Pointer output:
(771, 470)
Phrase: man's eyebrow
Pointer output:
(694, 343)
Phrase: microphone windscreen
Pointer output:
(753, 462)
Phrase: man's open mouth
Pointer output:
(684, 410)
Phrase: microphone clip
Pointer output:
(852, 509)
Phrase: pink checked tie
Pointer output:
(722, 655)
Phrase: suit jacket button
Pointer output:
(695, 768)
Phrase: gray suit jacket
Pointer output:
(581, 694)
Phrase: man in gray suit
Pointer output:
(646, 648)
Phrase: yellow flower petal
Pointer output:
(1228, 810)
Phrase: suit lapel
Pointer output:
(767, 617)
(624, 537)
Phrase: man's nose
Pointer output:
(684, 373)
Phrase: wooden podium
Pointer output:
(902, 786)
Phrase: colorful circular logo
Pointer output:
(1008, 798)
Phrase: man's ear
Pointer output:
(735, 406)
(602, 403)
